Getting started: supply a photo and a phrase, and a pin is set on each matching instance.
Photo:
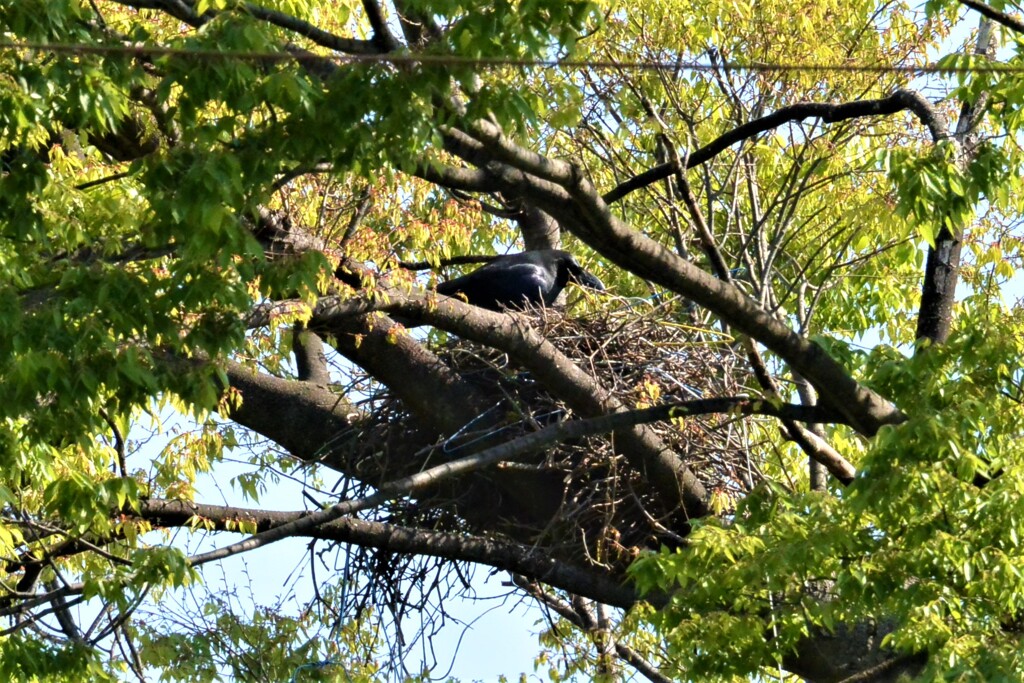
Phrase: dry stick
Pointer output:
(510, 450)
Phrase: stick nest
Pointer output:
(584, 491)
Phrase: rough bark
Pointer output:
(306, 419)
(938, 293)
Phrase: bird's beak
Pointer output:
(589, 280)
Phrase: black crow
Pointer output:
(518, 280)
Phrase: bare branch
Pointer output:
(813, 444)
(900, 100)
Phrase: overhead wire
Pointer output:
(440, 60)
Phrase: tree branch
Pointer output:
(534, 562)
(382, 36)
(829, 113)
(176, 8)
(316, 35)
(814, 445)
(455, 178)
(308, 420)
(452, 261)
(490, 137)
(310, 361)
(995, 15)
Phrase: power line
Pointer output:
(458, 60)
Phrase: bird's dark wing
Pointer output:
(504, 283)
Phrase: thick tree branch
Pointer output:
(308, 420)
(418, 27)
(499, 147)
(310, 360)
(317, 425)
(455, 178)
(540, 231)
(183, 12)
(533, 562)
(382, 36)
(280, 237)
(444, 405)
(816, 474)
(442, 399)
(176, 8)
